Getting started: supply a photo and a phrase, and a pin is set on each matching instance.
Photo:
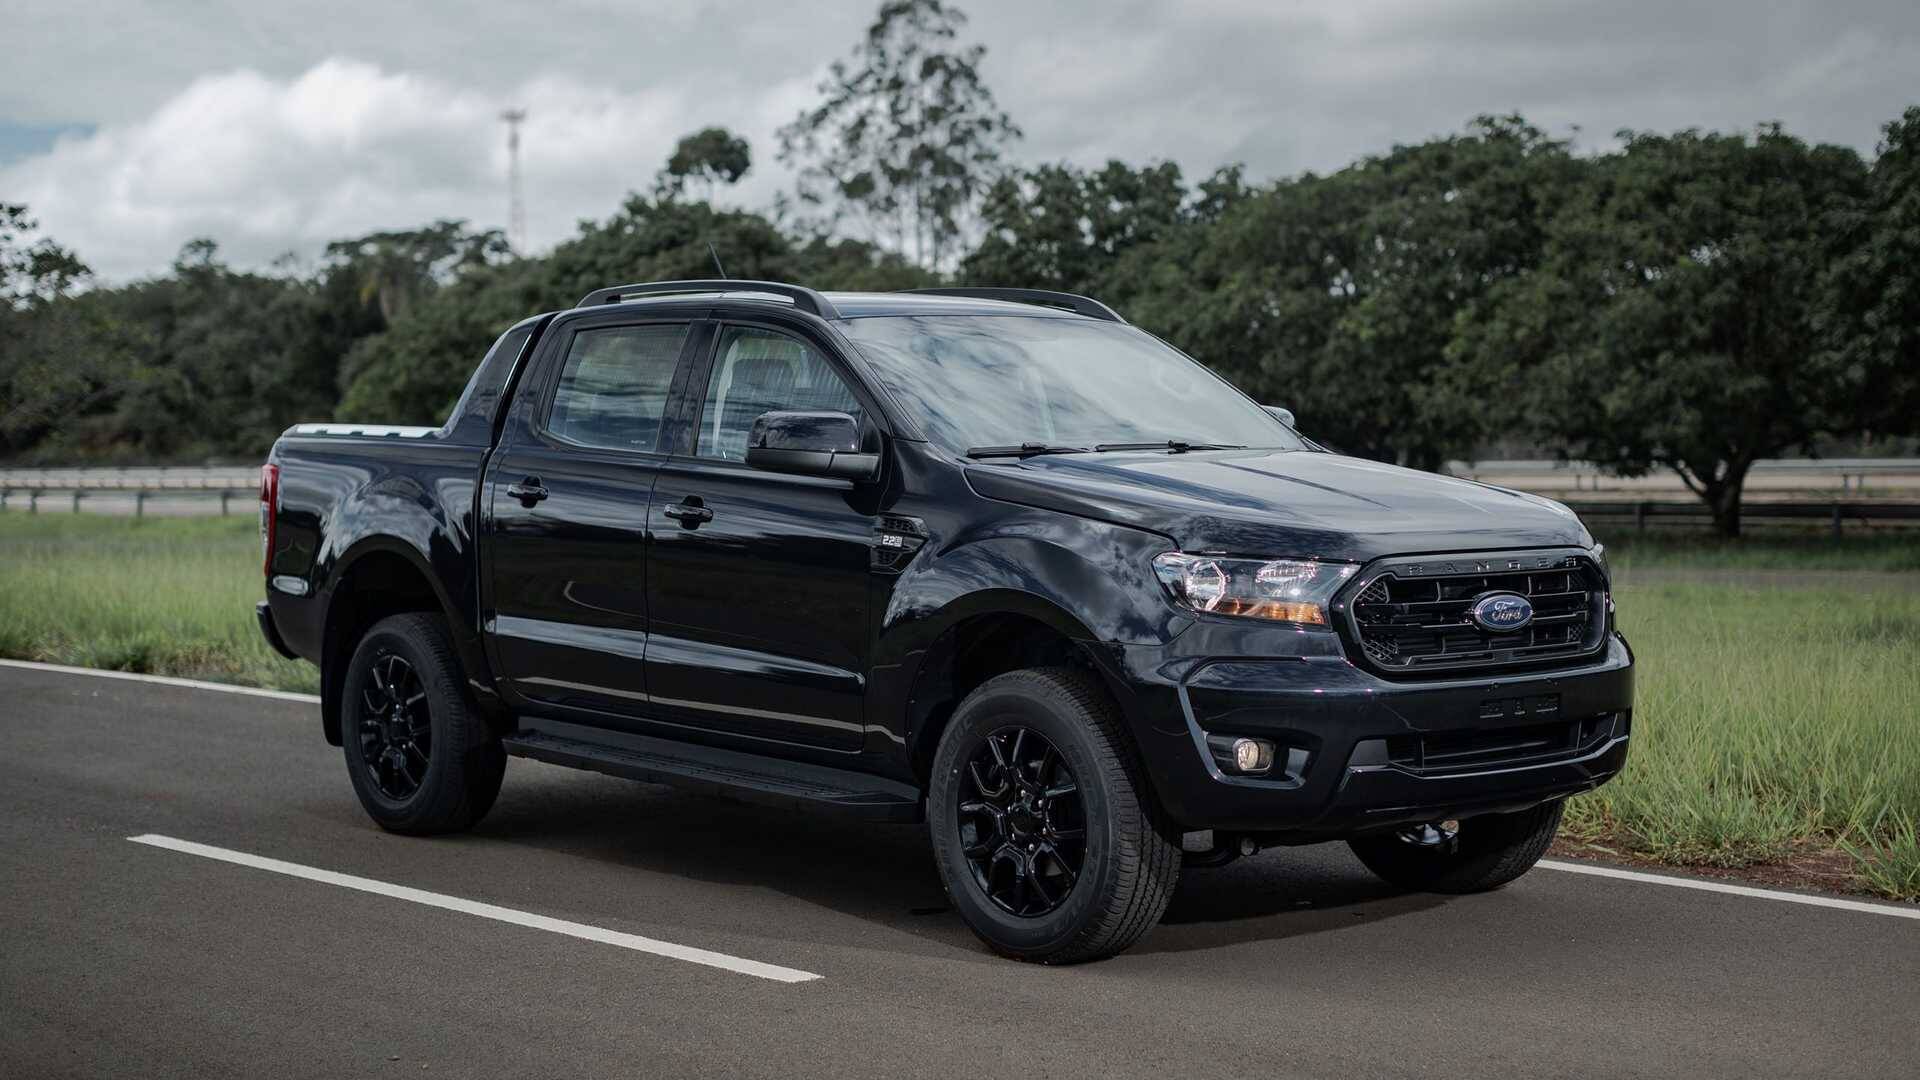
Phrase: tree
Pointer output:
(1674, 318)
(395, 269)
(711, 156)
(55, 359)
(1336, 295)
(1871, 301)
(907, 137)
(1058, 227)
(255, 350)
(413, 373)
(36, 272)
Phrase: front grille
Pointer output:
(1531, 744)
(1414, 615)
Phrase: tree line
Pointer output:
(1692, 301)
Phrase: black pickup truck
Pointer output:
(989, 559)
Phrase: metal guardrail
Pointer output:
(1835, 514)
(30, 499)
(127, 488)
(1850, 472)
(131, 489)
(133, 478)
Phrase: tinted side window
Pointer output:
(473, 415)
(613, 386)
(761, 371)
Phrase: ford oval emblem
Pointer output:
(1501, 612)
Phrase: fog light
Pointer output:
(1240, 754)
(1252, 755)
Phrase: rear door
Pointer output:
(567, 491)
(757, 583)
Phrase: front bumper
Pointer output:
(1359, 752)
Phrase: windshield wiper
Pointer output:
(1024, 450)
(1176, 446)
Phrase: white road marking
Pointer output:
(1733, 890)
(485, 911)
(164, 680)
(596, 934)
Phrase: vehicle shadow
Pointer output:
(885, 875)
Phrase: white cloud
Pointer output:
(266, 165)
(239, 127)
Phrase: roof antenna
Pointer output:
(716, 259)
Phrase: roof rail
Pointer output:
(1084, 305)
(803, 298)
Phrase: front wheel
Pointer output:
(1047, 840)
(422, 759)
(1472, 855)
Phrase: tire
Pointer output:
(454, 771)
(1128, 854)
(1486, 853)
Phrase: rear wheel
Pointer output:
(421, 758)
(1048, 842)
(1471, 855)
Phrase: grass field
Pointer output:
(1772, 549)
(164, 596)
(1770, 722)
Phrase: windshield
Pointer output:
(974, 381)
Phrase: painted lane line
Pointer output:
(163, 680)
(635, 942)
(1733, 890)
(312, 699)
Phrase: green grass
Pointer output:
(1768, 720)
(163, 596)
(1774, 549)
(1890, 863)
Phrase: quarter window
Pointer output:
(763, 371)
(613, 386)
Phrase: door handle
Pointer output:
(528, 491)
(690, 513)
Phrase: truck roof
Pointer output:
(862, 305)
(859, 305)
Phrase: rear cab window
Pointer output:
(614, 384)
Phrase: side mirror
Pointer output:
(810, 444)
(1285, 416)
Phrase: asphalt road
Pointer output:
(118, 958)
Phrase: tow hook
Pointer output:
(1209, 849)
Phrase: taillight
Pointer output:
(269, 510)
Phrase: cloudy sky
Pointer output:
(130, 126)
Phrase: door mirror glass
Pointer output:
(810, 444)
(1285, 416)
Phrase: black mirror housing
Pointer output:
(810, 444)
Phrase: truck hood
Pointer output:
(1283, 502)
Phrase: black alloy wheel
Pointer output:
(423, 760)
(1022, 822)
(396, 729)
(1048, 841)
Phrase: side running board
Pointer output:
(746, 777)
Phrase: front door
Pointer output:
(567, 492)
(757, 583)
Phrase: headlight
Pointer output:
(1285, 590)
(1598, 553)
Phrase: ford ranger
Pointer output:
(991, 560)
